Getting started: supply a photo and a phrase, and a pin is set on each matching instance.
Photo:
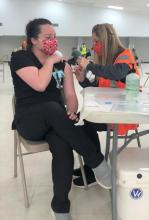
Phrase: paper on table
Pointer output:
(101, 106)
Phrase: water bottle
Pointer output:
(132, 83)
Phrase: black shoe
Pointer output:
(77, 172)
(88, 171)
(91, 181)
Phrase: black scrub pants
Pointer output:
(49, 121)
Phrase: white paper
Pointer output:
(100, 106)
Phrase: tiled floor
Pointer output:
(94, 204)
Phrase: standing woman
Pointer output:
(112, 63)
(40, 113)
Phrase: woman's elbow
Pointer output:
(40, 87)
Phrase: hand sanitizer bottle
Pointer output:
(132, 83)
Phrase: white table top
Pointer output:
(113, 105)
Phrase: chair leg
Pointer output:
(83, 172)
(107, 143)
(23, 174)
(138, 138)
(126, 136)
(15, 154)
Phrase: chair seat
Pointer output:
(34, 146)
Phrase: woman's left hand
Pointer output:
(79, 73)
(72, 116)
(82, 62)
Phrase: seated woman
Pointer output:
(112, 63)
(40, 113)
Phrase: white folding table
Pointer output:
(114, 106)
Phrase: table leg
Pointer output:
(114, 171)
(107, 143)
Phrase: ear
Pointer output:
(34, 41)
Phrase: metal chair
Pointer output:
(32, 147)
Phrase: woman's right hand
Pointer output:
(55, 58)
(72, 116)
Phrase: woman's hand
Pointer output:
(72, 116)
(55, 58)
(79, 73)
(82, 62)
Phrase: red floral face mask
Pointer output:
(98, 48)
(50, 46)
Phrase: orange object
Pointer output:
(125, 57)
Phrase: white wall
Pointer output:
(65, 45)
(142, 47)
(8, 44)
(73, 20)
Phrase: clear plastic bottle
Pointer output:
(132, 83)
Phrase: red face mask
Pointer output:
(98, 48)
(50, 46)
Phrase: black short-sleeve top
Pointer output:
(25, 95)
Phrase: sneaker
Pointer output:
(91, 181)
(77, 172)
(88, 171)
(60, 216)
(103, 175)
